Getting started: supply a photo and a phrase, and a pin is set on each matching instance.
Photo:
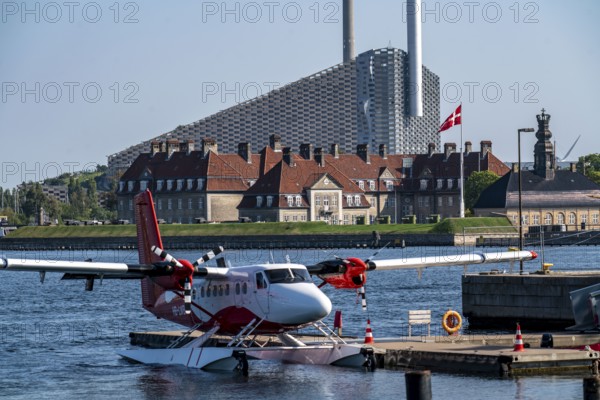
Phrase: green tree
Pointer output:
(589, 165)
(475, 184)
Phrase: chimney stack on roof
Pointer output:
(449, 148)
(383, 151)
(430, 149)
(209, 144)
(306, 151)
(468, 147)
(486, 147)
(362, 150)
(288, 156)
(245, 152)
(156, 147)
(186, 146)
(172, 146)
(320, 156)
(335, 150)
(275, 142)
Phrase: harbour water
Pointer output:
(58, 341)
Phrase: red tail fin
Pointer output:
(147, 228)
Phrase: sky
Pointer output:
(83, 80)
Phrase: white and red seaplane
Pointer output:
(240, 302)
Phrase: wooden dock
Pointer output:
(480, 354)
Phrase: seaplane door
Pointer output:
(262, 291)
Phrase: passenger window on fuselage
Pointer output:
(208, 291)
(237, 288)
(227, 289)
(244, 288)
(202, 291)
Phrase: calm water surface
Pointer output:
(58, 341)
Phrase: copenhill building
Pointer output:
(382, 96)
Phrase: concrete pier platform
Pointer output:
(481, 354)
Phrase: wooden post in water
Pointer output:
(418, 385)
(591, 388)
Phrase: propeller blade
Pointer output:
(187, 295)
(361, 291)
(209, 256)
(166, 256)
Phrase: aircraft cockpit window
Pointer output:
(261, 282)
(288, 275)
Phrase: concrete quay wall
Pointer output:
(536, 301)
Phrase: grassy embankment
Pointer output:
(451, 225)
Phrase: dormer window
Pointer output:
(371, 185)
(130, 185)
(450, 183)
(259, 201)
(290, 201)
(170, 184)
(190, 184)
(179, 184)
(143, 185)
(389, 185)
(200, 183)
(349, 200)
(361, 185)
(159, 185)
(357, 200)
(269, 201)
(298, 201)
(423, 184)
(440, 183)
(121, 186)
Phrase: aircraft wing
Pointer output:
(105, 270)
(451, 260)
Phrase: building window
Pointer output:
(295, 218)
(326, 202)
(440, 201)
(584, 218)
(357, 200)
(200, 203)
(259, 201)
(120, 205)
(169, 204)
(269, 201)
(298, 201)
(190, 183)
(130, 186)
(159, 185)
(440, 183)
(286, 218)
(389, 185)
(536, 219)
(450, 201)
(290, 201)
(420, 201)
(345, 219)
(361, 185)
(317, 200)
(372, 201)
(159, 204)
(179, 184)
(525, 219)
(426, 201)
(548, 219)
(121, 186)
(572, 219)
(595, 219)
(560, 218)
(334, 200)
(143, 185)
(303, 218)
(170, 184)
(130, 205)
(349, 201)
(423, 184)
(372, 185)
(190, 204)
(179, 204)
(450, 183)
(200, 183)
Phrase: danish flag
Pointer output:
(454, 119)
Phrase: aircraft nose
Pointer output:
(300, 306)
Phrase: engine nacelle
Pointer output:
(349, 273)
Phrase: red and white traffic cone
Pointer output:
(519, 340)
(369, 333)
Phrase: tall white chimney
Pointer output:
(348, 40)
(415, 59)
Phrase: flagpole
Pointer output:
(462, 177)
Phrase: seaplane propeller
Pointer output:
(183, 271)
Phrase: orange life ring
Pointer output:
(451, 322)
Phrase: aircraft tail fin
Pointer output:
(148, 234)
